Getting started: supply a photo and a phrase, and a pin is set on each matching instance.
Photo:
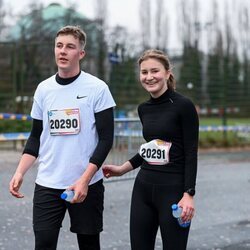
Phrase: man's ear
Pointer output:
(82, 54)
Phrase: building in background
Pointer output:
(27, 55)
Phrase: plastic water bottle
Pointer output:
(176, 211)
(68, 195)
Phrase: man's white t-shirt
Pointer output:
(69, 135)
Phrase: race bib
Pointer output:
(64, 122)
(155, 152)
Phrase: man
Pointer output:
(71, 136)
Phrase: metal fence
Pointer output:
(216, 92)
(127, 139)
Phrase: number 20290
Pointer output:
(62, 123)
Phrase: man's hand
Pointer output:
(15, 185)
(81, 190)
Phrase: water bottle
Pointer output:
(67, 195)
(176, 211)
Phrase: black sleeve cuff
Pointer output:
(32, 146)
(136, 161)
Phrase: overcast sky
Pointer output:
(126, 12)
(122, 12)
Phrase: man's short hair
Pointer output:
(75, 31)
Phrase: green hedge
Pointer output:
(219, 139)
(8, 126)
(206, 139)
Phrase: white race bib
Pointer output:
(64, 122)
(155, 152)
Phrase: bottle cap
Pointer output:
(64, 196)
(174, 207)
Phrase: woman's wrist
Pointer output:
(126, 167)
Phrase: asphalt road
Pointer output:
(222, 219)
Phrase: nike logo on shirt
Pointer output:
(80, 97)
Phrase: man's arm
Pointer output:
(105, 130)
(24, 165)
(28, 158)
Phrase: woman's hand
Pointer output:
(116, 170)
(187, 204)
(112, 170)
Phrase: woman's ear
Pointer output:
(168, 74)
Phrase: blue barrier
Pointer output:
(236, 128)
(14, 136)
(132, 133)
(8, 116)
(125, 127)
(138, 133)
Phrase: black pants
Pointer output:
(152, 198)
(47, 240)
(86, 218)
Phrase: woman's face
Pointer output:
(153, 77)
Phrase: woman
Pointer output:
(168, 160)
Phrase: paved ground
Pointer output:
(222, 219)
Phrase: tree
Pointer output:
(154, 24)
(34, 39)
(101, 16)
(191, 74)
(162, 31)
(191, 69)
(244, 27)
(2, 16)
(145, 20)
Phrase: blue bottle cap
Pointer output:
(174, 207)
(64, 196)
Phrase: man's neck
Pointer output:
(68, 74)
(66, 81)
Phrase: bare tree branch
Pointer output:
(145, 19)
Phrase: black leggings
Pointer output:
(152, 197)
(47, 240)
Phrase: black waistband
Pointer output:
(161, 178)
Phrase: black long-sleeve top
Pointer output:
(172, 118)
(104, 126)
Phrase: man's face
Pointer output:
(68, 53)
